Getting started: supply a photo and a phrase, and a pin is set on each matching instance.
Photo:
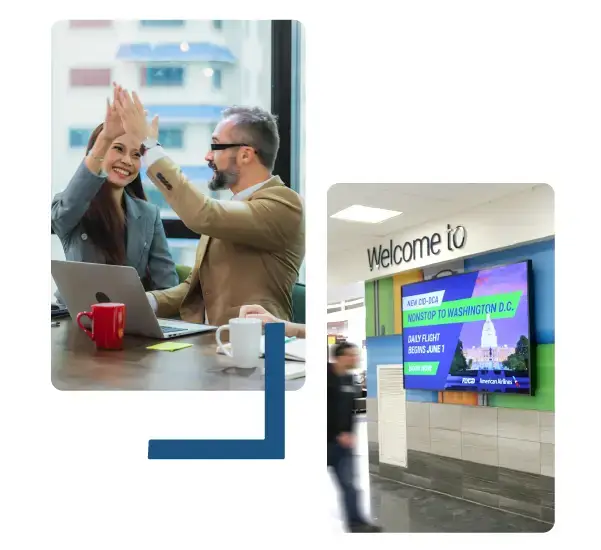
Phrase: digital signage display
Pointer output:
(470, 331)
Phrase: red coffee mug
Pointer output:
(108, 324)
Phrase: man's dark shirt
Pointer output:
(342, 392)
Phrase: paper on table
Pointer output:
(169, 346)
(294, 349)
(294, 370)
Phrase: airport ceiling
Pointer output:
(419, 202)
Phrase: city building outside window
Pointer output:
(78, 137)
(81, 77)
(171, 138)
(162, 22)
(216, 76)
(162, 76)
(90, 23)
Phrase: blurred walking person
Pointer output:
(342, 392)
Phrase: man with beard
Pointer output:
(252, 246)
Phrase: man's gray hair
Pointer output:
(257, 128)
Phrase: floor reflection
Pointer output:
(400, 509)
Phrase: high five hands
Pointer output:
(132, 115)
(113, 128)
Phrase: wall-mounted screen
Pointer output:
(470, 332)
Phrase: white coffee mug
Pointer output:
(245, 341)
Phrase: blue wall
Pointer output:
(389, 349)
(382, 350)
(423, 396)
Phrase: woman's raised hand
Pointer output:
(133, 117)
(113, 126)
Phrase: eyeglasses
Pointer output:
(222, 146)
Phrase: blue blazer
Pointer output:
(147, 249)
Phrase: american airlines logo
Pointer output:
(468, 380)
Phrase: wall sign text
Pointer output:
(428, 245)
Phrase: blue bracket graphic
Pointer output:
(270, 448)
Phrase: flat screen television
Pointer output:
(470, 331)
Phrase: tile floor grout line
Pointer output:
(461, 498)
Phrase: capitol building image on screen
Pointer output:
(489, 355)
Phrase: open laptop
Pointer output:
(82, 284)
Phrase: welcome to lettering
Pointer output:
(418, 248)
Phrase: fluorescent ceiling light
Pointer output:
(365, 214)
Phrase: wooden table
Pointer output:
(77, 365)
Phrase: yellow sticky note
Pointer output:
(169, 346)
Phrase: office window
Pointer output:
(216, 76)
(90, 23)
(90, 77)
(162, 22)
(156, 197)
(183, 251)
(162, 76)
(128, 53)
(297, 118)
(78, 137)
(218, 24)
(171, 138)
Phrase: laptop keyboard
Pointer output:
(170, 330)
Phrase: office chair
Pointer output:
(183, 271)
(298, 303)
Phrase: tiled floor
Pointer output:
(400, 509)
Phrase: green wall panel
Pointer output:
(544, 395)
(386, 302)
(370, 313)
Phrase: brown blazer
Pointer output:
(250, 251)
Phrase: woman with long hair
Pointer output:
(103, 215)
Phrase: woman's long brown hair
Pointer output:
(102, 221)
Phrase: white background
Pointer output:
(438, 91)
